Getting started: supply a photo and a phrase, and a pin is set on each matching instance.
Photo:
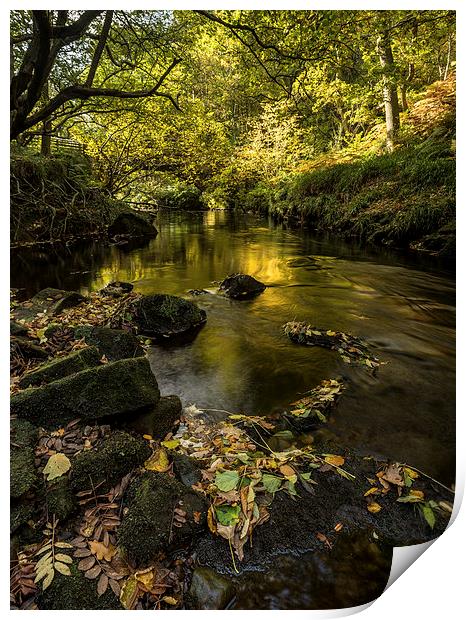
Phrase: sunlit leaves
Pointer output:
(57, 465)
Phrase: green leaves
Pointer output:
(428, 514)
(227, 515)
(226, 480)
(57, 465)
(271, 483)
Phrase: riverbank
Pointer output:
(405, 199)
(126, 530)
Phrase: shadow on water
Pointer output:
(240, 362)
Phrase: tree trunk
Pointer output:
(46, 127)
(390, 96)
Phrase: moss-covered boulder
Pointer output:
(241, 286)
(115, 344)
(26, 349)
(157, 421)
(61, 501)
(22, 471)
(114, 457)
(76, 592)
(166, 315)
(20, 513)
(61, 367)
(51, 301)
(116, 388)
(22, 433)
(131, 224)
(147, 527)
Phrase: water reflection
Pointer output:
(241, 362)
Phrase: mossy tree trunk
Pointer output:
(390, 95)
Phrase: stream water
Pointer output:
(404, 307)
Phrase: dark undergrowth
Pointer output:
(55, 198)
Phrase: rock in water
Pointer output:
(166, 315)
(61, 367)
(131, 224)
(51, 301)
(115, 344)
(156, 422)
(116, 289)
(209, 590)
(116, 388)
(241, 286)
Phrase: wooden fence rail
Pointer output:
(59, 144)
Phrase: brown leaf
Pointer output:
(324, 539)
(87, 563)
(82, 553)
(102, 584)
(93, 572)
(393, 475)
(115, 586)
(101, 551)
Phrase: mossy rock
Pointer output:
(122, 387)
(22, 433)
(166, 315)
(115, 344)
(20, 513)
(147, 527)
(76, 592)
(156, 422)
(241, 286)
(114, 457)
(61, 367)
(22, 471)
(131, 224)
(186, 469)
(61, 501)
(51, 301)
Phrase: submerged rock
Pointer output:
(209, 590)
(114, 457)
(241, 286)
(116, 289)
(131, 224)
(61, 367)
(116, 388)
(50, 301)
(147, 527)
(166, 315)
(115, 344)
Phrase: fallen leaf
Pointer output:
(101, 551)
(374, 507)
(56, 466)
(158, 461)
(334, 459)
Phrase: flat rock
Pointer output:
(116, 388)
(50, 301)
(166, 315)
(241, 286)
(61, 367)
(115, 344)
(116, 289)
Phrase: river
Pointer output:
(402, 305)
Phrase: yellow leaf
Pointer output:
(374, 507)
(170, 600)
(148, 437)
(211, 520)
(371, 491)
(146, 577)
(158, 461)
(129, 592)
(101, 551)
(62, 568)
(57, 465)
(415, 493)
(411, 473)
(287, 471)
(338, 527)
(334, 459)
